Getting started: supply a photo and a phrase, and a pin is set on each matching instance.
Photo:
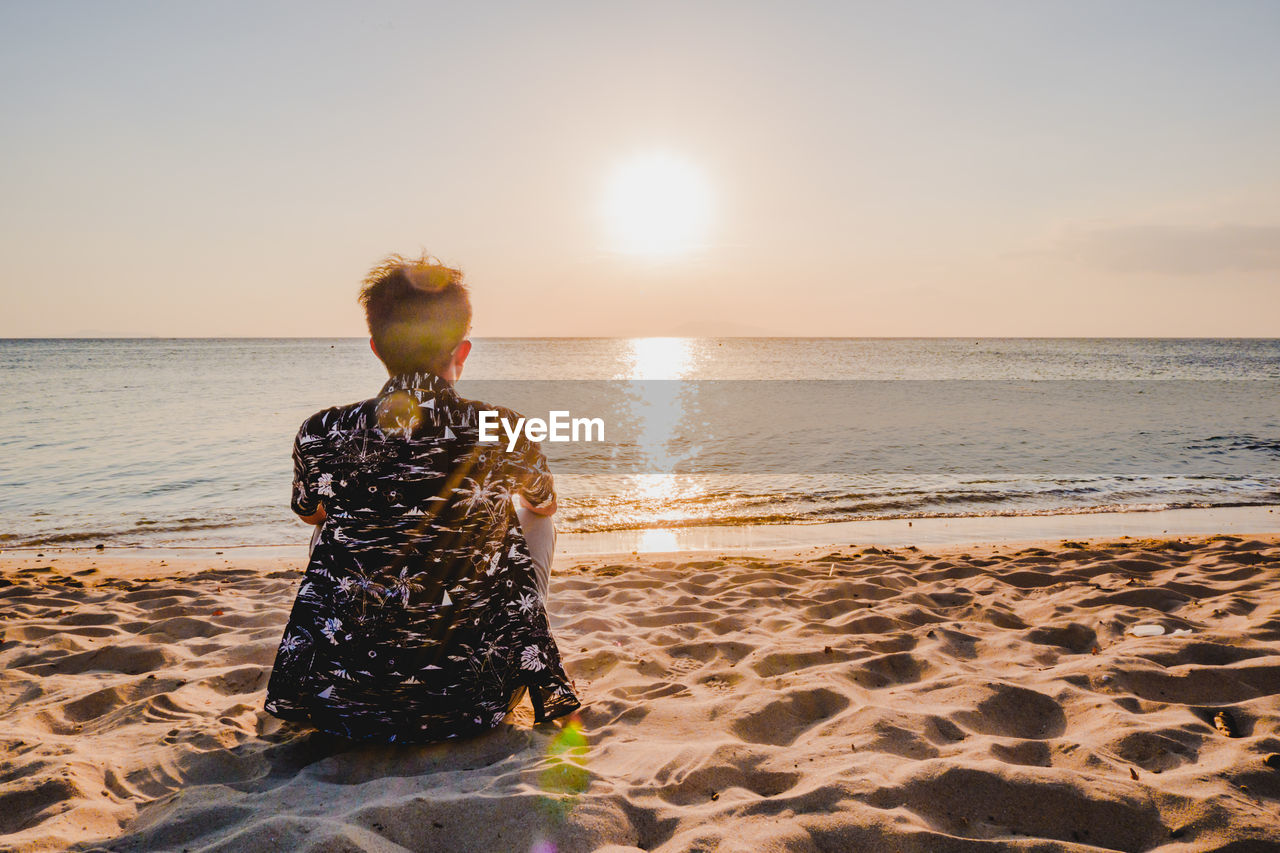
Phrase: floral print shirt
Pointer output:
(418, 618)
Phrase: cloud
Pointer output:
(1178, 250)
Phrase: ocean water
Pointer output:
(173, 442)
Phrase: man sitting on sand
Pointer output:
(421, 613)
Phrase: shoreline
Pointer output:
(931, 532)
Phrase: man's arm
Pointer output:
(305, 502)
(533, 481)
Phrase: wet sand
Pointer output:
(829, 699)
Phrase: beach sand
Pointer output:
(835, 699)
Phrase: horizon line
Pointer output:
(644, 337)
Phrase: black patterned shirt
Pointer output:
(418, 618)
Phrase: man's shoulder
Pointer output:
(475, 406)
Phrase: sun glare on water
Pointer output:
(657, 205)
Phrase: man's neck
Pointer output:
(448, 376)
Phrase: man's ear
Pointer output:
(461, 353)
(374, 347)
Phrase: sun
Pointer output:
(657, 205)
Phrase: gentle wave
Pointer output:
(229, 534)
(141, 531)
(824, 516)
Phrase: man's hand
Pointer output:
(316, 517)
(548, 508)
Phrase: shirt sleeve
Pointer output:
(305, 500)
(531, 473)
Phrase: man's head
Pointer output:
(419, 314)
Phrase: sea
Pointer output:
(186, 442)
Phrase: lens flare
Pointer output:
(566, 772)
(399, 412)
(565, 777)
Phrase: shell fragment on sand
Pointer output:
(1148, 629)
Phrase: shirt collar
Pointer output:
(424, 381)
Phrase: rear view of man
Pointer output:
(421, 614)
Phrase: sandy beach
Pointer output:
(831, 699)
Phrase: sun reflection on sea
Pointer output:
(658, 358)
(657, 403)
(647, 488)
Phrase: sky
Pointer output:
(862, 168)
